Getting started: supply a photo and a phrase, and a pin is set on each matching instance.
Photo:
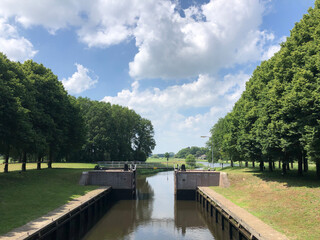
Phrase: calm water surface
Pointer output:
(155, 214)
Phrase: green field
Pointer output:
(164, 160)
(290, 204)
(30, 166)
(29, 195)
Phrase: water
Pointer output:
(214, 165)
(155, 214)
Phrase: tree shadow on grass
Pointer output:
(291, 179)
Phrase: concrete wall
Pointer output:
(186, 182)
(117, 179)
(190, 180)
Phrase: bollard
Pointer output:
(126, 167)
(183, 167)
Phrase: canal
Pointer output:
(154, 214)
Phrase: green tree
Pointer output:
(15, 126)
(167, 156)
(191, 160)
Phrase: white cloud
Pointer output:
(51, 14)
(165, 107)
(273, 49)
(204, 39)
(215, 35)
(80, 80)
(16, 48)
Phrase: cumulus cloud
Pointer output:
(51, 14)
(80, 81)
(165, 108)
(172, 42)
(209, 37)
(16, 48)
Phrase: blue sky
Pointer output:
(181, 64)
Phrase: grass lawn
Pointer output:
(31, 194)
(164, 160)
(17, 166)
(290, 204)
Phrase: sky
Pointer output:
(180, 63)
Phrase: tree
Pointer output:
(277, 116)
(191, 160)
(167, 156)
(114, 133)
(15, 126)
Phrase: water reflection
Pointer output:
(153, 215)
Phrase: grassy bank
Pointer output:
(29, 195)
(290, 204)
(30, 166)
(171, 161)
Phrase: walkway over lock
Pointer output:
(138, 165)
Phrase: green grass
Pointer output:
(30, 166)
(164, 160)
(290, 204)
(29, 195)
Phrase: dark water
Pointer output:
(155, 214)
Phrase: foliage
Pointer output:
(195, 151)
(39, 120)
(277, 116)
(114, 133)
(191, 160)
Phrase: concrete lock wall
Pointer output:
(117, 179)
(123, 183)
(186, 182)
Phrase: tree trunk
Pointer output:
(261, 165)
(50, 159)
(6, 163)
(279, 164)
(273, 165)
(231, 163)
(300, 166)
(253, 164)
(292, 165)
(270, 165)
(39, 163)
(318, 168)
(284, 168)
(288, 166)
(24, 161)
(305, 164)
(246, 163)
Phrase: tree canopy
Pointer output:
(277, 116)
(195, 151)
(38, 119)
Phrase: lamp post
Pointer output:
(211, 149)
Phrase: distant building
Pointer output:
(203, 157)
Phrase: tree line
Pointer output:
(195, 151)
(39, 120)
(277, 117)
